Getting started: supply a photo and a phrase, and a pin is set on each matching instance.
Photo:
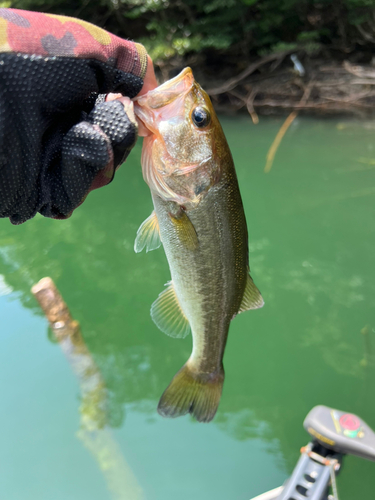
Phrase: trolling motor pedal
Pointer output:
(335, 434)
(341, 432)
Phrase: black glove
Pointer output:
(58, 139)
(54, 138)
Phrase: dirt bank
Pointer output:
(273, 84)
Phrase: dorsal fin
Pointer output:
(167, 314)
(148, 235)
(252, 298)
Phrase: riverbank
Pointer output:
(273, 85)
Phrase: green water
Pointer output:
(312, 239)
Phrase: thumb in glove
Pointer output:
(91, 152)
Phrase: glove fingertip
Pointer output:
(116, 119)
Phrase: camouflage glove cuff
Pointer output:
(36, 33)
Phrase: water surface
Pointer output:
(312, 239)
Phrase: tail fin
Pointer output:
(192, 392)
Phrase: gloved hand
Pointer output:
(59, 139)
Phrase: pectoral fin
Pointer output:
(252, 298)
(167, 314)
(185, 230)
(148, 235)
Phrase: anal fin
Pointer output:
(167, 314)
(148, 235)
(252, 298)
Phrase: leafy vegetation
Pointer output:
(231, 29)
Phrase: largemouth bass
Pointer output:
(199, 218)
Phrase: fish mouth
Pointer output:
(143, 130)
(148, 105)
(167, 91)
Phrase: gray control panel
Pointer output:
(340, 431)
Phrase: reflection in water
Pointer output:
(368, 362)
(245, 424)
(5, 289)
(328, 292)
(312, 255)
(368, 359)
(119, 477)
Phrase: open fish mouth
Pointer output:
(168, 91)
(146, 106)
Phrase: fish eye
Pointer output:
(201, 117)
